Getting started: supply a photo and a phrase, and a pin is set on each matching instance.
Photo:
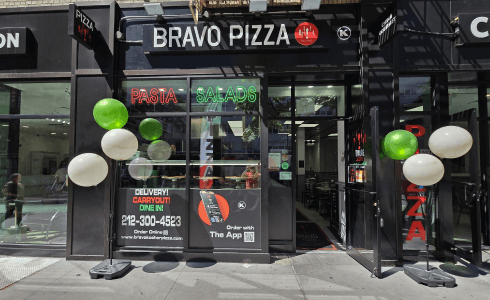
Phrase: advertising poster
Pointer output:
(225, 219)
(274, 161)
(150, 217)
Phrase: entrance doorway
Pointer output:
(306, 140)
(317, 201)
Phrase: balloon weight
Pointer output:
(423, 169)
(110, 114)
(119, 144)
(150, 129)
(159, 150)
(87, 169)
(140, 168)
(450, 142)
(400, 144)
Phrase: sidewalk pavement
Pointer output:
(331, 275)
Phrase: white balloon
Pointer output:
(140, 168)
(119, 144)
(88, 169)
(450, 142)
(159, 151)
(423, 169)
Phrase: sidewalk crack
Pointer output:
(174, 282)
(297, 278)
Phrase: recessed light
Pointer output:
(181, 90)
(143, 90)
(220, 89)
(289, 87)
(59, 121)
(240, 89)
(65, 133)
(52, 119)
(310, 86)
(25, 126)
(53, 132)
(5, 125)
(333, 134)
(163, 90)
(329, 86)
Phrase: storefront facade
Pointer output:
(233, 93)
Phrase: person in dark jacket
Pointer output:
(14, 198)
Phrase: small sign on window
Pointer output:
(285, 175)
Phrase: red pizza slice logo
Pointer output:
(306, 34)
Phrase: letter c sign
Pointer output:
(474, 28)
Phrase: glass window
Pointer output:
(279, 101)
(162, 161)
(154, 95)
(225, 95)
(462, 98)
(225, 152)
(34, 156)
(320, 100)
(415, 94)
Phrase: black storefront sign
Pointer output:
(151, 217)
(474, 29)
(236, 36)
(387, 27)
(13, 41)
(81, 27)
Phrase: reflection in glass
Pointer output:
(462, 98)
(320, 100)
(415, 94)
(168, 173)
(154, 95)
(225, 152)
(279, 101)
(35, 98)
(225, 95)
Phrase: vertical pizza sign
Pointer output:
(416, 196)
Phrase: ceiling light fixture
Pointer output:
(311, 4)
(258, 5)
(308, 125)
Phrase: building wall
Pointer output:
(23, 3)
(212, 3)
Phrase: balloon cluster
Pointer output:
(90, 169)
(426, 169)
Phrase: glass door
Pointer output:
(362, 187)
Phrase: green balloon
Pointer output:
(150, 129)
(110, 114)
(400, 144)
